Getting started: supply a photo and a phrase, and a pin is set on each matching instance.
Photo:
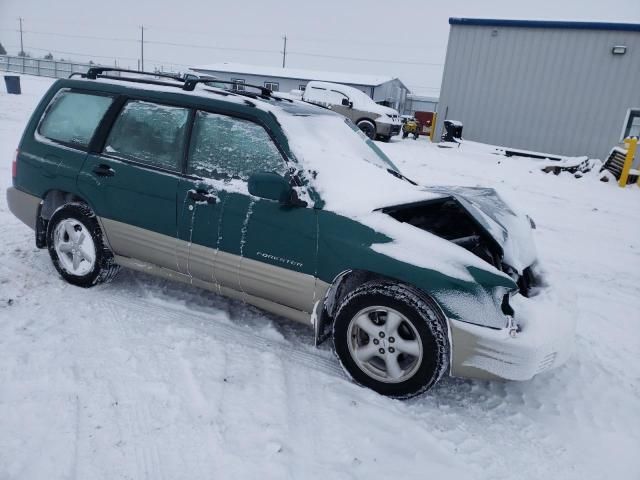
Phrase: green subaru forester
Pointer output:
(288, 207)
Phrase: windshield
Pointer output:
(380, 159)
(338, 138)
(344, 168)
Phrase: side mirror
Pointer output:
(272, 187)
(347, 103)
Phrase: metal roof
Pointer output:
(495, 22)
(295, 73)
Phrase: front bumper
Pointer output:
(388, 129)
(544, 341)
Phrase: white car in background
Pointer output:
(376, 121)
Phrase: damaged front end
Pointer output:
(478, 220)
(537, 334)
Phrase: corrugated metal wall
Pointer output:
(556, 91)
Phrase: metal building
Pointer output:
(382, 89)
(419, 103)
(569, 88)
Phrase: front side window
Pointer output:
(73, 117)
(227, 147)
(632, 127)
(149, 133)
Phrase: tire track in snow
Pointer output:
(233, 334)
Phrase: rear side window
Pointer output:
(149, 133)
(228, 147)
(72, 117)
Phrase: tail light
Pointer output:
(14, 165)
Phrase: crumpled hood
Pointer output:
(511, 230)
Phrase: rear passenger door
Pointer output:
(132, 179)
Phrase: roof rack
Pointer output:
(186, 84)
(93, 73)
(191, 83)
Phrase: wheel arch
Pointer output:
(51, 201)
(55, 198)
(345, 282)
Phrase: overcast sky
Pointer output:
(402, 39)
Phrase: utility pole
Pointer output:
(284, 51)
(21, 45)
(142, 48)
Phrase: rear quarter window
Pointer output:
(72, 117)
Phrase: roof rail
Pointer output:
(93, 73)
(186, 84)
(191, 83)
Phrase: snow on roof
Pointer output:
(336, 77)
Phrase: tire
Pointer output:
(368, 128)
(77, 248)
(420, 348)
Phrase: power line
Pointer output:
(190, 45)
(89, 37)
(111, 57)
(237, 49)
(372, 60)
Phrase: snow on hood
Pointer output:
(349, 172)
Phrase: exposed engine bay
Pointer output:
(447, 218)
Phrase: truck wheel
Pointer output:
(391, 338)
(77, 248)
(368, 128)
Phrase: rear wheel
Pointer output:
(391, 338)
(368, 128)
(77, 248)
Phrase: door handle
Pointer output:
(103, 170)
(202, 196)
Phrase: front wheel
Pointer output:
(391, 338)
(368, 128)
(77, 248)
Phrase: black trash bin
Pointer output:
(13, 84)
(452, 131)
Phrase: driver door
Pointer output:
(260, 247)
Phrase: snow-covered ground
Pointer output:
(143, 378)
